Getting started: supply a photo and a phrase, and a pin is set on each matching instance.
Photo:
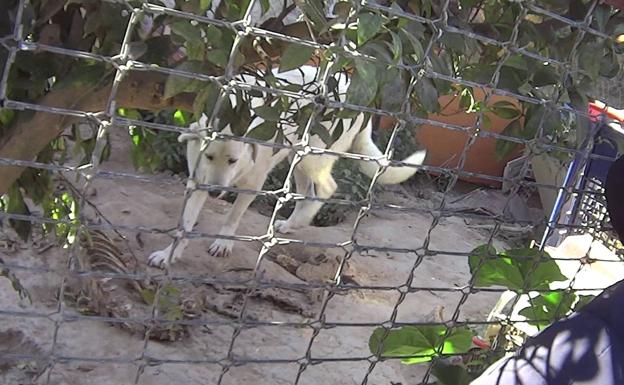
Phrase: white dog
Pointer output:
(246, 166)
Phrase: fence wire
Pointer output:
(108, 120)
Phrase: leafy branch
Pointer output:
(393, 35)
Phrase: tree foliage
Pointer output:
(519, 49)
(401, 54)
(522, 270)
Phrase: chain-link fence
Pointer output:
(395, 284)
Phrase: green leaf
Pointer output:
(588, 53)
(466, 99)
(428, 95)
(342, 9)
(454, 41)
(504, 148)
(322, 132)
(397, 47)
(609, 65)
(271, 113)
(479, 73)
(187, 31)
(451, 374)
(494, 269)
(195, 50)
(148, 296)
(582, 301)
(128, 113)
(338, 130)
(83, 74)
(368, 26)
(177, 84)
(548, 307)
(417, 49)
(16, 205)
(601, 16)
(545, 75)
(468, 3)
(506, 110)
(419, 344)
(364, 83)
(204, 5)
(379, 50)
(205, 100)
(216, 37)
(516, 61)
(181, 118)
(239, 117)
(315, 11)
(294, 57)
(517, 269)
(264, 131)
(218, 57)
(393, 89)
(536, 276)
(301, 117)
(6, 116)
(279, 139)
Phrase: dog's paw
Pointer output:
(221, 247)
(159, 258)
(284, 227)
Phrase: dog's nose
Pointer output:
(214, 193)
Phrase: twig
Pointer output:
(99, 213)
(516, 229)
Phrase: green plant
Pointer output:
(156, 150)
(168, 308)
(397, 37)
(523, 270)
(520, 270)
(419, 344)
(42, 189)
(526, 271)
(425, 343)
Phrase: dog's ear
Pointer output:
(194, 129)
(187, 136)
(253, 150)
(203, 119)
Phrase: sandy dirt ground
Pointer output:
(87, 350)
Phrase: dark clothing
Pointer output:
(588, 346)
(585, 348)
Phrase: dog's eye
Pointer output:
(232, 161)
(209, 157)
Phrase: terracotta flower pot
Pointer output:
(445, 146)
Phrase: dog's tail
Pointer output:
(363, 144)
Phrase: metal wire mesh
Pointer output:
(216, 367)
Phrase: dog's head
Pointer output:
(222, 162)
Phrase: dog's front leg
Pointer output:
(223, 247)
(174, 251)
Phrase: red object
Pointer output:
(598, 108)
(480, 343)
(445, 146)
